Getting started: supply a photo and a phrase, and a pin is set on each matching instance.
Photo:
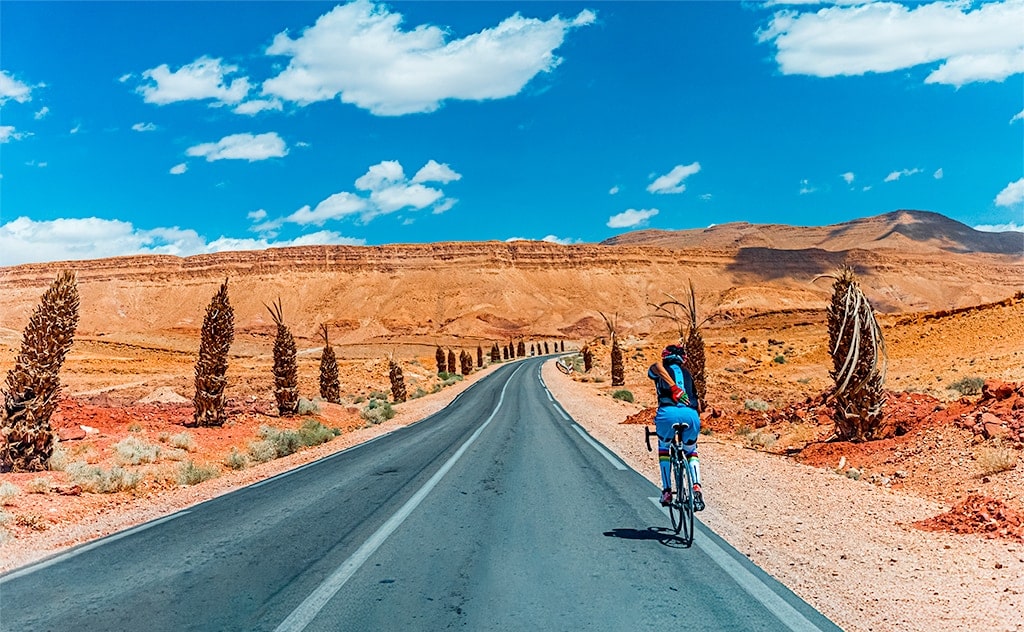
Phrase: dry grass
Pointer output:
(995, 458)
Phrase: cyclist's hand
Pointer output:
(679, 395)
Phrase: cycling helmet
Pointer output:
(673, 354)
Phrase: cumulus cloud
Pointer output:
(613, 191)
(938, 174)
(1019, 116)
(41, 114)
(631, 217)
(848, 177)
(806, 187)
(984, 44)
(255, 106)
(144, 127)
(672, 182)
(896, 175)
(1012, 195)
(13, 90)
(179, 169)
(24, 240)
(1000, 228)
(9, 133)
(242, 147)
(385, 189)
(203, 79)
(360, 53)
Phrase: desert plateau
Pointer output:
(920, 531)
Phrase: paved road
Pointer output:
(497, 513)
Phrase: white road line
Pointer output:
(786, 613)
(597, 446)
(315, 602)
(88, 547)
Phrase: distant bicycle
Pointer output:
(680, 510)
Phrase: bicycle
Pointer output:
(680, 510)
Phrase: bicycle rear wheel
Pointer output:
(682, 511)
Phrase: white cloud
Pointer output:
(848, 177)
(242, 147)
(205, 78)
(27, 241)
(631, 217)
(1013, 194)
(256, 106)
(75, 129)
(380, 175)
(179, 169)
(392, 198)
(672, 182)
(257, 215)
(1000, 228)
(12, 89)
(565, 241)
(9, 133)
(358, 52)
(41, 114)
(986, 44)
(938, 174)
(806, 187)
(613, 191)
(144, 127)
(434, 172)
(896, 175)
(444, 205)
(1019, 116)
(336, 206)
(706, 197)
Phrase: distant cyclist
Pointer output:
(677, 403)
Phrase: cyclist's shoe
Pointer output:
(666, 497)
(698, 499)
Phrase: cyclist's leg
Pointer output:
(690, 435)
(663, 425)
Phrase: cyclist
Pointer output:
(677, 403)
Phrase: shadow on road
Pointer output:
(665, 536)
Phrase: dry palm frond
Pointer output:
(212, 365)
(398, 393)
(330, 383)
(684, 315)
(286, 371)
(32, 387)
(858, 362)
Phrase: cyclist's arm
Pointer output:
(659, 370)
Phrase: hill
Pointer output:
(901, 231)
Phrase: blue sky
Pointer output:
(192, 127)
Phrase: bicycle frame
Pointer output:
(681, 509)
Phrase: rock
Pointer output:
(996, 389)
(163, 395)
(71, 433)
(89, 429)
(993, 426)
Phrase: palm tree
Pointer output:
(688, 325)
(33, 385)
(858, 362)
(618, 371)
(440, 359)
(212, 365)
(286, 371)
(330, 385)
(397, 380)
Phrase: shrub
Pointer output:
(762, 440)
(8, 491)
(307, 407)
(262, 451)
(379, 395)
(995, 459)
(418, 393)
(134, 427)
(624, 395)
(743, 430)
(377, 411)
(313, 433)
(191, 474)
(183, 440)
(236, 460)
(779, 359)
(755, 404)
(41, 485)
(92, 478)
(285, 442)
(59, 459)
(133, 451)
(968, 386)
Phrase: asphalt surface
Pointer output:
(497, 513)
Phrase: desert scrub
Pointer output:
(191, 474)
(996, 458)
(133, 451)
(761, 440)
(41, 485)
(418, 393)
(743, 430)
(262, 451)
(779, 359)
(624, 395)
(307, 407)
(183, 441)
(313, 433)
(59, 459)
(8, 491)
(755, 404)
(236, 460)
(377, 411)
(968, 386)
(92, 478)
